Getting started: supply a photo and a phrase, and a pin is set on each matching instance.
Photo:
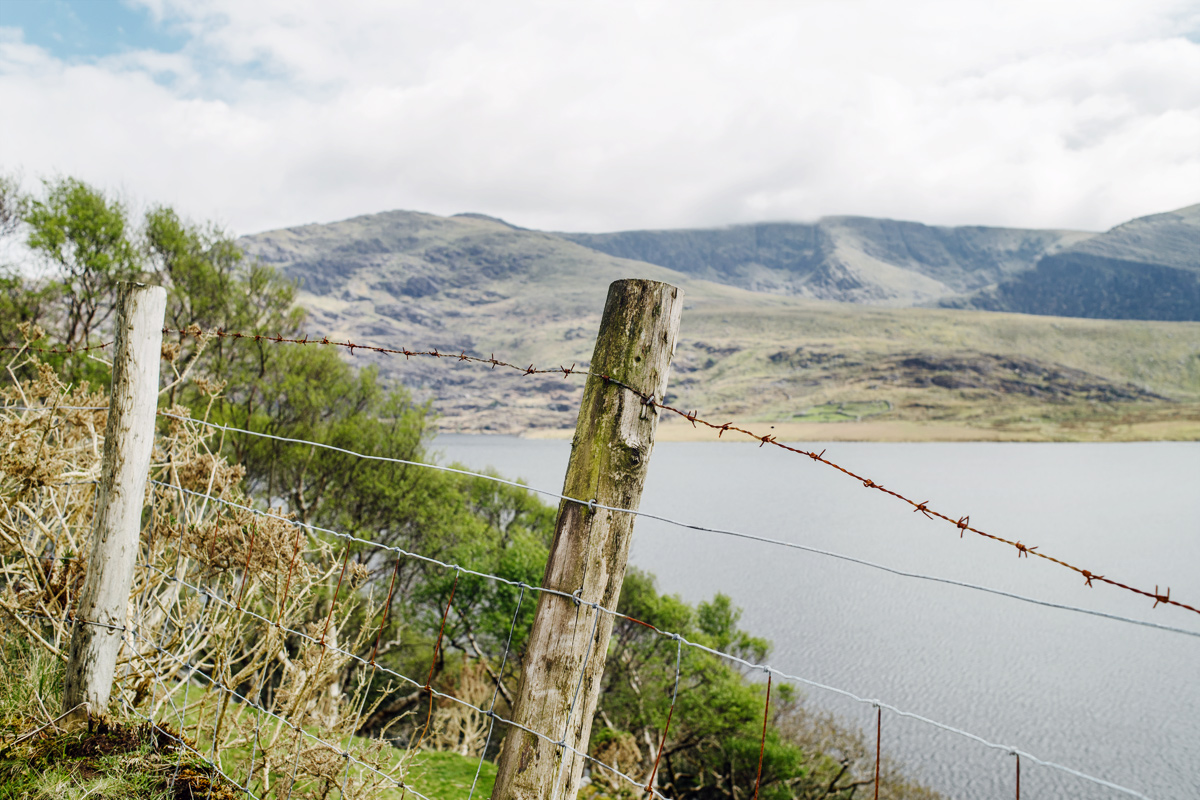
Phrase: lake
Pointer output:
(1111, 699)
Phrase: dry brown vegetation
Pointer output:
(218, 596)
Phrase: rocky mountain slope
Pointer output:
(478, 285)
(1148, 268)
(848, 259)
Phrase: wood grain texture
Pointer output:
(609, 458)
(128, 442)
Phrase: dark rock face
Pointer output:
(970, 372)
(1008, 375)
(419, 286)
(1148, 268)
(1084, 285)
(719, 253)
(805, 358)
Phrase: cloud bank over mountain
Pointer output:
(625, 115)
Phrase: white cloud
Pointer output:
(616, 115)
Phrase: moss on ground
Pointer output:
(113, 760)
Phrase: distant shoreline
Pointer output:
(1187, 430)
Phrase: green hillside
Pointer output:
(478, 285)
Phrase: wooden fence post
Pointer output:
(128, 442)
(564, 661)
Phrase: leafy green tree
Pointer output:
(500, 530)
(211, 286)
(85, 236)
(23, 302)
(308, 393)
(493, 529)
(13, 205)
(716, 738)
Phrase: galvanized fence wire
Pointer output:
(561, 742)
(180, 740)
(741, 662)
(571, 598)
(54, 350)
(194, 671)
(697, 527)
(961, 523)
(373, 665)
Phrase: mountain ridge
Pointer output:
(474, 284)
(843, 258)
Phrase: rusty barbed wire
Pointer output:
(492, 361)
(647, 400)
(961, 523)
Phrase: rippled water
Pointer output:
(1114, 700)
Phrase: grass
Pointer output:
(129, 760)
(439, 776)
(842, 411)
(40, 759)
(448, 776)
(741, 355)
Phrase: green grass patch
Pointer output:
(41, 759)
(131, 760)
(114, 761)
(448, 776)
(842, 412)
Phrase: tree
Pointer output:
(715, 740)
(299, 394)
(13, 205)
(85, 238)
(22, 302)
(211, 286)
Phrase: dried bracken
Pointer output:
(230, 608)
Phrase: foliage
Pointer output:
(13, 206)
(716, 735)
(211, 583)
(211, 286)
(85, 236)
(225, 596)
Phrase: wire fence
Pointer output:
(191, 582)
(961, 522)
(235, 606)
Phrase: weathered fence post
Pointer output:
(564, 660)
(128, 442)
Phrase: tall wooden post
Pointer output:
(128, 442)
(564, 661)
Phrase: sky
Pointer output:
(614, 115)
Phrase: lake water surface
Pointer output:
(1118, 701)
